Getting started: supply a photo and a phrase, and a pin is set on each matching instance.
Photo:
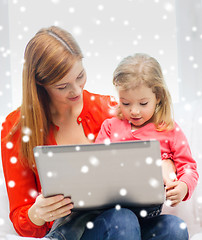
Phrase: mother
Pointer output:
(56, 110)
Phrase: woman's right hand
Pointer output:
(49, 209)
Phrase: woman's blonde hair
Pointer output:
(49, 56)
(144, 69)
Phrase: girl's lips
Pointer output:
(75, 98)
(136, 119)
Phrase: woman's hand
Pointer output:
(176, 192)
(49, 209)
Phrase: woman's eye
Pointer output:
(80, 76)
(143, 104)
(62, 88)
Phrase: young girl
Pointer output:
(145, 113)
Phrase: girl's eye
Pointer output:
(125, 104)
(143, 104)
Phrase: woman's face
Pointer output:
(68, 91)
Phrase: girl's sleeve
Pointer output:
(21, 186)
(105, 132)
(185, 164)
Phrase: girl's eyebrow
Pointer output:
(141, 99)
(146, 98)
(59, 85)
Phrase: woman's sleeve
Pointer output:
(21, 186)
(186, 166)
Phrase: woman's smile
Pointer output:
(74, 99)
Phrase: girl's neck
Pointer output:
(134, 128)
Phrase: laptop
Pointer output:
(98, 176)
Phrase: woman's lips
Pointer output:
(75, 98)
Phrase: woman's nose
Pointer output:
(75, 90)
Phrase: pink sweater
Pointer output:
(174, 145)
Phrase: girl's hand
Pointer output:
(49, 209)
(176, 192)
(168, 171)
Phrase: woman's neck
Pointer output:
(62, 114)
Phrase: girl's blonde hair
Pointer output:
(144, 69)
(49, 56)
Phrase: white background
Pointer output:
(106, 31)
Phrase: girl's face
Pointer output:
(138, 105)
(68, 90)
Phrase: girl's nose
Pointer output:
(135, 111)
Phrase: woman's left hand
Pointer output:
(176, 192)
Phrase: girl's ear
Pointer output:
(158, 101)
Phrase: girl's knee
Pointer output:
(180, 230)
(114, 225)
(177, 228)
(123, 223)
(124, 216)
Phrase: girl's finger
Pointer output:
(171, 185)
(175, 203)
(172, 198)
(171, 193)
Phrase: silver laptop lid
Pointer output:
(103, 175)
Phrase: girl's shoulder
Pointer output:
(176, 128)
(116, 123)
(174, 133)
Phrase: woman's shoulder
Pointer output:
(99, 106)
(99, 98)
(13, 117)
(11, 120)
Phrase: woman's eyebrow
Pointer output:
(59, 85)
(81, 72)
